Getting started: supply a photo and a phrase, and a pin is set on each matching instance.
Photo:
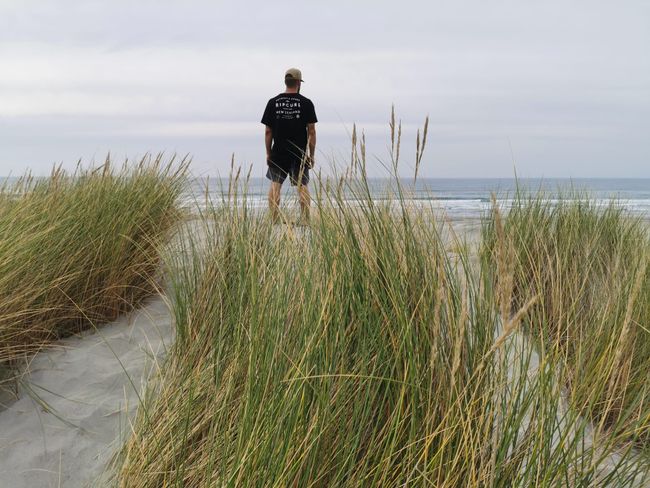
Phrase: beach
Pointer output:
(77, 402)
(411, 249)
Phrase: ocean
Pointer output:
(459, 198)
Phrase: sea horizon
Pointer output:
(458, 197)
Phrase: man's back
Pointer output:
(288, 115)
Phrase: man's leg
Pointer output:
(305, 202)
(274, 201)
(300, 178)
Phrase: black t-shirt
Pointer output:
(288, 115)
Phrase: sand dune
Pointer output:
(92, 382)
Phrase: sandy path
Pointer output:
(91, 391)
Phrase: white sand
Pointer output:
(91, 391)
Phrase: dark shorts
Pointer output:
(297, 172)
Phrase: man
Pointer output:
(290, 130)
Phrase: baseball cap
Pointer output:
(293, 74)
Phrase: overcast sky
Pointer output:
(566, 84)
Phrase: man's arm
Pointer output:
(268, 139)
(311, 137)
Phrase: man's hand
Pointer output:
(311, 138)
(268, 141)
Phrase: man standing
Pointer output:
(290, 129)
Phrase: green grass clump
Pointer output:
(358, 352)
(588, 265)
(79, 249)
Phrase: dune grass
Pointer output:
(358, 352)
(79, 249)
(589, 267)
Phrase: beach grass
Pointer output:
(364, 350)
(588, 265)
(77, 249)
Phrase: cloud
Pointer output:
(555, 78)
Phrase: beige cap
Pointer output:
(293, 74)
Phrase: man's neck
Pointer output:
(291, 91)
